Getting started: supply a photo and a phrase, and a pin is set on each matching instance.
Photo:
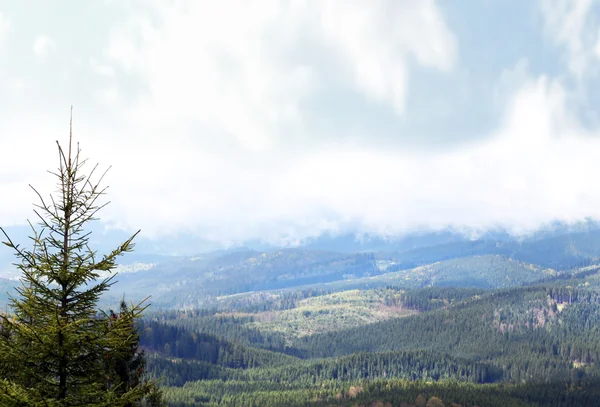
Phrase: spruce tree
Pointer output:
(56, 346)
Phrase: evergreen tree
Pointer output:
(55, 343)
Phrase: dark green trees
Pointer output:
(56, 348)
(126, 365)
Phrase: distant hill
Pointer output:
(481, 271)
(200, 280)
(442, 258)
(195, 280)
(559, 252)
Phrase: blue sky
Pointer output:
(285, 119)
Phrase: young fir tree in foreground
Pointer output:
(56, 347)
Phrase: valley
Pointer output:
(470, 323)
(494, 323)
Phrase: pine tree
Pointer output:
(55, 343)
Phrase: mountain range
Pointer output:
(492, 259)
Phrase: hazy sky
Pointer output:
(281, 119)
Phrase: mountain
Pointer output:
(201, 279)
(195, 280)
(441, 258)
(480, 271)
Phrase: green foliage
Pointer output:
(376, 393)
(56, 348)
(304, 313)
(329, 312)
(527, 346)
(177, 342)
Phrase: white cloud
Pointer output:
(199, 104)
(523, 176)
(571, 24)
(216, 67)
(376, 38)
(43, 45)
(246, 70)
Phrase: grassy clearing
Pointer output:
(329, 313)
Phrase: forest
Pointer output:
(532, 345)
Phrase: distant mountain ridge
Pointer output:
(190, 281)
(104, 238)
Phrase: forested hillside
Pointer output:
(531, 345)
(437, 260)
(485, 323)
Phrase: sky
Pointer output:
(281, 120)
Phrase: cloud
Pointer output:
(524, 175)
(375, 40)
(43, 45)
(233, 121)
(248, 73)
(572, 25)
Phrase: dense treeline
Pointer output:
(248, 303)
(528, 346)
(265, 301)
(383, 393)
(177, 372)
(237, 326)
(175, 342)
(427, 299)
(234, 328)
(540, 333)
(510, 321)
(411, 365)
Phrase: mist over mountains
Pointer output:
(149, 250)
(185, 271)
